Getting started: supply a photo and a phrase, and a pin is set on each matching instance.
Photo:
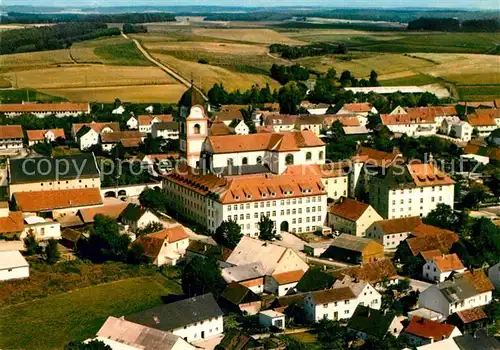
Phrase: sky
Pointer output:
(464, 4)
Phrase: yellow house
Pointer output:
(351, 216)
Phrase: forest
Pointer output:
(316, 49)
(30, 18)
(454, 25)
(55, 37)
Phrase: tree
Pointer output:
(52, 251)
(153, 226)
(443, 216)
(31, 244)
(331, 74)
(136, 255)
(43, 148)
(228, 234)
(267, 232)
(247, 118)
(151, 145)
(476, 194)
(153, 198)
(202, 275)
(289, 98)
(331, 334)
(91, 345)
(105, 241)
(373, 79)
(374, 121)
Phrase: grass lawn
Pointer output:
(20, 95)
(64, 151)
(52, 322)
(124, 54)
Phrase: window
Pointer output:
(321, 155)
(308, 156)
(230, 162)
(259, 160)
(244, 161)
(289, 159)
(196, 129)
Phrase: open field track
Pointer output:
(165, 93)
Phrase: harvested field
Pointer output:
(264, 36)
(34, 60)
(205, 75)
(166, 93)
(88, 76)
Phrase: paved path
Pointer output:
(163, 67)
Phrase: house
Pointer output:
(132, 123)
(118, 110)
(362, 109)
(284, 283)
(274, 258)
(113, 211)
(11, 137)
(410, 190)
(315, 249)
(460, 130)
(149, 109)
(271, 318)
(411, 125)
(218, 127)
(494, 275)
(441, 242)
(13, 266)
(192, 319)
(367, 323)
(333, 176)
(440, 267)
(333, 304)
(165, 247)
(166, 130)
(347, 121)
(137, 217)
(425, 313)
(355, 250)
(42, 228)
(447, 344)
(241, 128)
(378, 273)
(463, 291)
(57, 203)
(128, 139)
(366, 294)
(351, 216)
(41, 110)
(391, 232)
(78, 171)
(228, 113)
(11, 222)
(88, 134)
(49, 135)
(146, 121)
(120, 334)
(422, 331)
(250, 275)
(209, 200)
(239, 298)
(470, 320)
(310, 122)
(479, 340)
(481, 154)
(212, 250)
(315, 109)
(485, 121)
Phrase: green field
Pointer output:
(124, 54)
(20, 95)
(52, 322)
(478, 92)
(419, 79)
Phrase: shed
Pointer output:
(354, 249)
(271, 318)
(13, 266)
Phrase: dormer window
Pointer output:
(236, 197)
(249, 196)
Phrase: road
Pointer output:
(163, 67)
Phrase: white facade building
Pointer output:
(11, 137)
(241, 128)
(167, 130)
(42, 229)
(13, 266)
(271, 318)
(42, 110)
(439, 268)
(133, 123)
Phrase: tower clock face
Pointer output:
(182, 145)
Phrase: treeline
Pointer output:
(284, 74)
(316, 49)
(454, 25)
(129, 28)
(218, 95)
(32, 18)
(55, 37)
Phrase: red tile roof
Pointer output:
(428, 230)
(399, 225)
(374, 272)
(13, 223)
(145, 119)
(59, 199)
(427, 174)
(281, 142)
(97, 127)
(332, 295)
(483, 117)
(218, 128)
(428, 329)
(441, 242)
(127, 138)
(344, 120)
(479, 280)
(172, 234)
(358, 107)
(472, 315)
(153, 242)
(44, 107)
(401, 119)
(11, 132)
(450, 262)
(39, 135)
(376, 157)
(111, 210)
(349, 209)
(288, 277)
(429, 254)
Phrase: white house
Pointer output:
(365, 293)
(88, 134)
(38, 136)
(392, 232)
(41, 110)
(167, 130)
(439, 268)
(360, 109)
(250, 275)
(283, 283)
(422, 331)
(457, 128)
(485, 121)
(149, 109)
(119, 334)
(118, 110)
(13, 266)
(132, 123)
(128, 139)
(333, 304)
(42, 229)
(146, 121)
(165, 247)
(315, 109)
(415, 126)
(271, 318)
(410, 190)
(494, 275)
(137, 217)
(464, 291)
(351, 216)
(11, 137)
(241, 128)
(481, 153)
(192, 319)
(369, 323)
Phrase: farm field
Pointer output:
(20, 95)
(257, 35)
(77, 315)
